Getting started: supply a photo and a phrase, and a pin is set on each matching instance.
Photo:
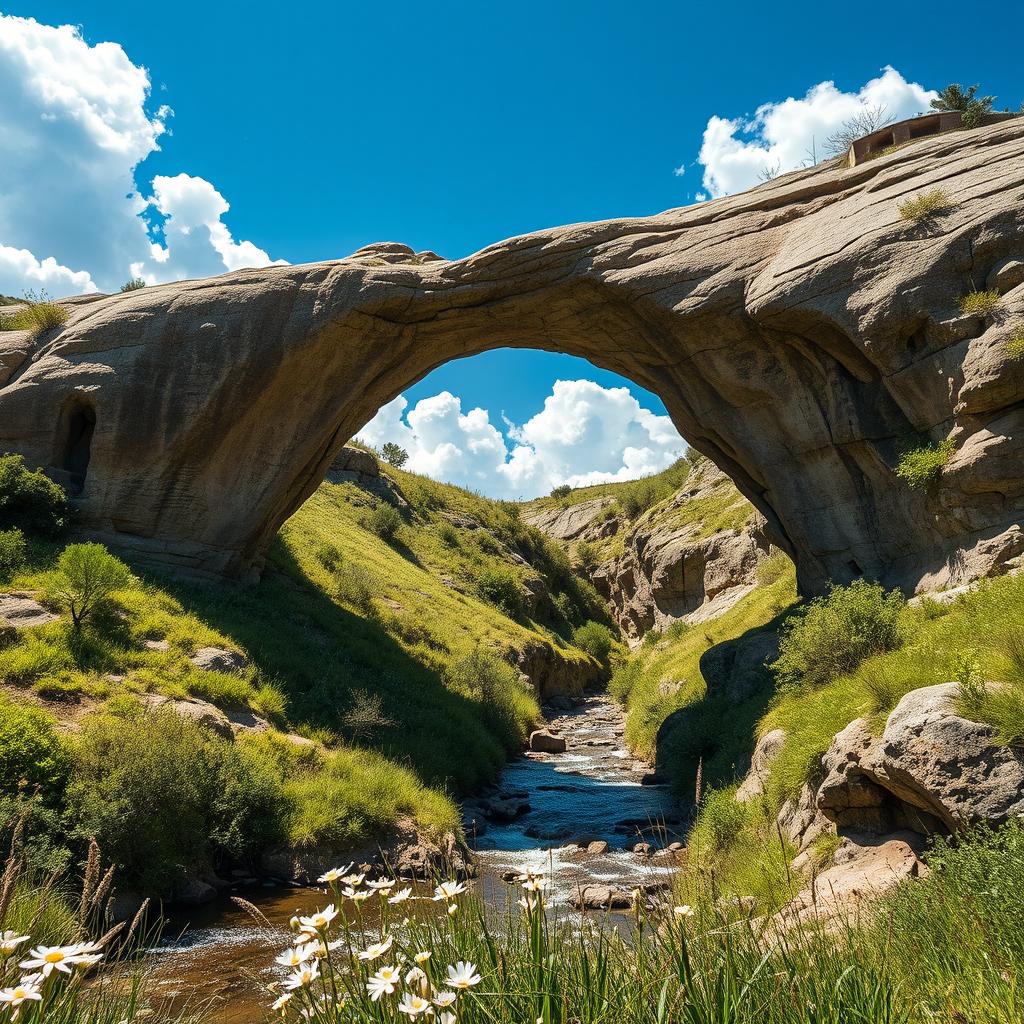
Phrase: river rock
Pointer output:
(545, 742)
(505, 810)
(599, 846)
(194, 892)
(601, 897)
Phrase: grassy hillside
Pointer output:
(385, 638)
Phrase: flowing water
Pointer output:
(590, 793)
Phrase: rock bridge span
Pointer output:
(801, 335)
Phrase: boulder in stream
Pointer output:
(546, 742)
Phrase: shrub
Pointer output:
(12, 551)
(719, 821)
(773, 568)
(834, 634)
(355, 585)
(31, 755)
(500, 587)
(85, 578)
(163, 796)
(925, 205)
(448, 534)
(507, 706)
(30, 501)
(1015, 344)
(921, 467)
(980, 303)
(561, 491)
(365, 716)
(595, 639)
(586, 556)
(133, 284)
(383, 519)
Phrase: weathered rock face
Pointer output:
(799, 335)
(668, 572)
(583, 521)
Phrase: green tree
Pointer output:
(394, 455)
(30, 500)
(133, 284)
(973, 106)
(86, 576)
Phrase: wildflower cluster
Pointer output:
(41, 976)
(338, 969)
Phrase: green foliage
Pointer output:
(448, 534)
(31, 755)
(973, 107)
(926, 205)
(355, 586)
(832, 635)
(12, 551)
(365, 716)
(30, 501)
(133, 284)
(586, 556)
(87, 575)
(1015, 344)
(772, 568)
(596, 639)
(719, 822)
(980, 303)
(922, 466)
(37, 315)
(394, 455)
(561, 491)
(384, 520)
(164, 796)
(500, 586)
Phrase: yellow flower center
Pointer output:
(54, 957)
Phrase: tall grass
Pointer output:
(947, 949)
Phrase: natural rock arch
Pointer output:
(799, 334)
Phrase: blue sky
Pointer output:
(446, 126)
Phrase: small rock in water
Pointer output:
(598, 846)
(653, 779)
(601, 897)
(644, 849)
(547, 743)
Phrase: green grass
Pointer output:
(673, 718)
(35, 317)
(347, 611)
(926, 205)
(980, 303)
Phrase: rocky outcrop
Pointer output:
(219, 659)
(676, 565)
(547, 742)
(586, 520)
(766, 751)
(20, 609)
(799, 334)
(552, 675)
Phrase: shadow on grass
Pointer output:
(318, 654)
(718, 731)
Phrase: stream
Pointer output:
(591, 794)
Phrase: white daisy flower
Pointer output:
(446, 1018)
(382, 883)
(303, 976)
(414, 1005)
(448, 891)
(10, 941)
(23, 992)
(354, 880)
(377, 949)
(321, 919)
(422, 956)
(463, 975)
(383, 983)
(55, 958)
(444, 999)
(297, 956)
(334, 874)
(401, 896)
(684, 911)
(281, 1001)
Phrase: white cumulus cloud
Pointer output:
(75, 123)
(584, 434)
(781, 136)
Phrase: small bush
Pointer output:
(85, 578)
(500, 587)
(980, 303)
(561, 491)
(773, 568)
(163, 796)
(133, 284)
(12, 552)
(586, 556)
(1015, 344)
(448, 534)
(384, 520)
(719, 822)
(921, 467)
(595, 639)
(327, 555)
(37, 316)
(925, 205)
(364, 717)
(834, 634)
(31, 755)
(508, 707)
(30, 501)
(355, 585)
